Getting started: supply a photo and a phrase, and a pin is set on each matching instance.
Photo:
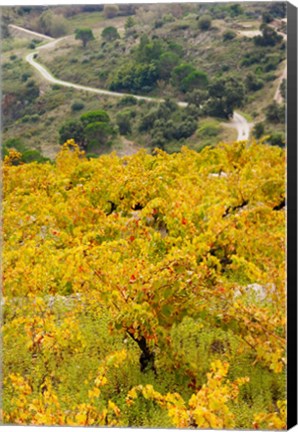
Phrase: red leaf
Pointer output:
(132, 279)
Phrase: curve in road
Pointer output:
(241, 125)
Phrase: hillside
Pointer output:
(230, 64)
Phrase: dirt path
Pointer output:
(241, 125)
(278, 97)
(249, 33)
(30, 32)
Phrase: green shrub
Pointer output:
(277, 139)
(205, 22)
(34, 118)
(72, 129)
(77, 106)
(15, 143)
(33, 156)
(258, 130)
(135, 77)
(275, 113)
(228, 35)
(127, 101)
(209, 129)
(98, 134)
(110, 33)
(26, 118)
(253, 83)
(94, 116)
(269, 37)
(25, 76)
(123, 120)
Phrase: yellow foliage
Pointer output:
(152, 239)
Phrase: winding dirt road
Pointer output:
(238, 121)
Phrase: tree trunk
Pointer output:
(147, 357)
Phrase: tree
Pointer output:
(166, 63)
(129, 23)
(135, 77)
(110, 33)
(110, 11)
(224, 96)
(149, 51)
(196, 79)
(267, 18)
(236, 9)
(197, 97)
(123, 120)
(180, 72)
(278, 9)
(95, 116)
(205, 22)
(275, 113)
(72, 129)
(253, 83)
(85, 35)
(269, 37)
(98, 134)
(259, 130)
(93, 128)
(52, 24)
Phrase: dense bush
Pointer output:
(269, 37)
(127, 101)
(94, 116)
(123, 120)
(26, 155)
(224, 96)
(275, 113)
(90, 132)
(52, 24)
(277, 139)
(259, 130)
(167, 123)
(253, 83)
(77, 106)
(110, 33)
(228, 35)
(110, 11)
(204, 22)
(134, 77)
(166, 63)
(72, 129)
(187, 78)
